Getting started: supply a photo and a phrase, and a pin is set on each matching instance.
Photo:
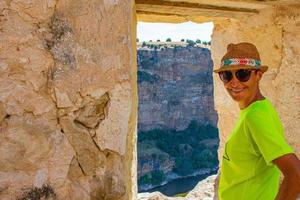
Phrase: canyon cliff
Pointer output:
(175, 87)
(176, 112)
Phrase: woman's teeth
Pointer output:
(237, 90)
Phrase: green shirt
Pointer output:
(247, 170)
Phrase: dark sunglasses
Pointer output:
(243, 75)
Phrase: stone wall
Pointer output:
(68, 88)
(68, 100)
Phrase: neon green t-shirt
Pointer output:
(247, 170)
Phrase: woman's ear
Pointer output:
(259, 74)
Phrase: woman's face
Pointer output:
(243, 91)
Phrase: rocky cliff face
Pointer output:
(176, 112)
(175, 87)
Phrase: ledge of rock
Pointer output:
(204, 190)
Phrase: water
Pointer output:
(180, 185)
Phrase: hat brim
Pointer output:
(263, 68)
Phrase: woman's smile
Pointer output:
(237, 90)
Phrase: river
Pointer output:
(180, 185)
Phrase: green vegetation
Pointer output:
(190, 42)
(192, 149)
(144, 76)
(154, 178)
(158, 45)
(181, 194)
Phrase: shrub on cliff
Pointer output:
(144, 76)
(205, 159)
(190, 42)
(183, 166)
(186, 146)
(154, 178)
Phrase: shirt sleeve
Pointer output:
(268, 134)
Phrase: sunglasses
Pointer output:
(243, 75)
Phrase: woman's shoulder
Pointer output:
(260, 108)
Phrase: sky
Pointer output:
(162, 31)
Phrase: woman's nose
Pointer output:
(234, 82)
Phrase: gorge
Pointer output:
(177, 134)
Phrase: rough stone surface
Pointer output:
(59, 80)
(175, 88)
(204, 190)
(59, 57)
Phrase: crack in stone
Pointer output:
(93, 111)
(78, 132)
(82, 170)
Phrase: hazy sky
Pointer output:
(162, 31)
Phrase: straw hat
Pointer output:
(241, 56)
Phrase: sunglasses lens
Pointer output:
(243, 75)
(225, 76)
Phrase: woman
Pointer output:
(256, 150)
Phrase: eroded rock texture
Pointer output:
(175, 88)
(66, 99)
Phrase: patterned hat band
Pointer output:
(242, 61)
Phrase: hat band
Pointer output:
(241, 61)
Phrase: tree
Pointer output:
(137, 40)
(150, 41)
(205, 43)
(169, 40)
(144, 44)
(158, 40)
(209, 43)
(198, 41)
(190, 42)
(182, 40)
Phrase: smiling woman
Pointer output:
(256, 149)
